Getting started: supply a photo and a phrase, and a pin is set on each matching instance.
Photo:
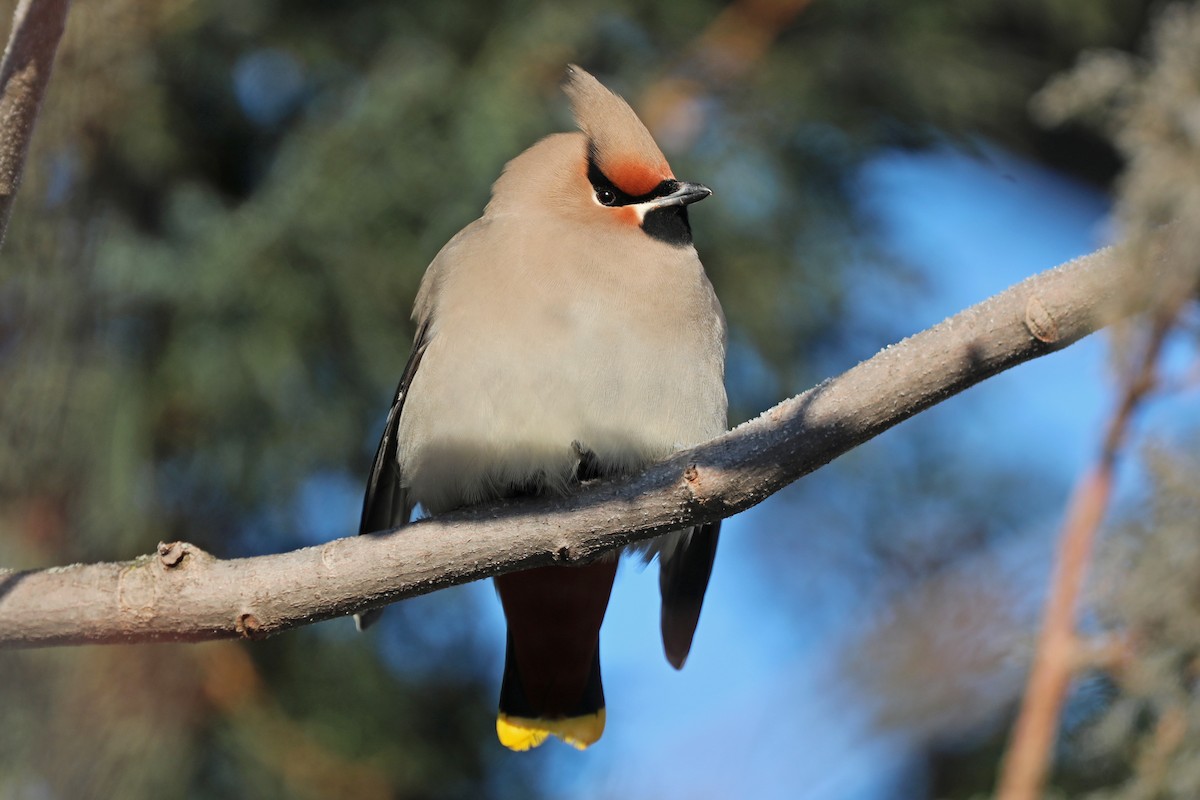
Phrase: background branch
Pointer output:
(1029, 756)
(184, 594)
(24, 74)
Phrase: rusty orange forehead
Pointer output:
(636, 178)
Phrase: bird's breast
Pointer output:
(525, 365)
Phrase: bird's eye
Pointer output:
(606, 196)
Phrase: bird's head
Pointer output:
(611, 173)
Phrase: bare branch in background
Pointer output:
(1056, 659)
(24, 74)
(183, 594)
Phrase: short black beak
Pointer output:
(684, 195)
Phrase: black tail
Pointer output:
(682, 581)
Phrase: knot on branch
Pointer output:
(1040, 322)
(177, 555)
(571, 554)
(171, 554)
(248, 626)
(693, 479)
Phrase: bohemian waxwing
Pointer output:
(568, 334)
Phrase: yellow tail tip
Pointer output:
(525, 733)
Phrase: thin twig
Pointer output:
(24, 74)
(1169, 733)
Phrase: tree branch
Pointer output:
(1028, 760)
(184, 594)
(24, 74)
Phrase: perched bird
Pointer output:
(568, 334)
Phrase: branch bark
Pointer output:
(24, 74)
(183, 594)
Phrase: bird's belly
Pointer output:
(515, 411)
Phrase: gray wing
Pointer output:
(682, 581)
(387, 504)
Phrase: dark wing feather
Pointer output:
(386, 504)
(682, 581)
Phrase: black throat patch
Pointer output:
(668, 224)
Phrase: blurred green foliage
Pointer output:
(205, 292)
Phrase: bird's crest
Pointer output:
(618, 142)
